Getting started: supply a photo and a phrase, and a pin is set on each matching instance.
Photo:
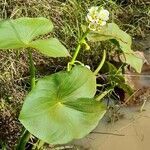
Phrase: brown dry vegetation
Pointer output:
(67, 15)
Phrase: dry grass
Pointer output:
(67, 16)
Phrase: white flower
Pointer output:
(103, 14)
(92, 14)
(87, 66)
(102, 23)
(97, 18)
(93, 10)
(90, 18)
(92, 26)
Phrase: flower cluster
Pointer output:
(97, 17)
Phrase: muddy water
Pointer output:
(130, 133)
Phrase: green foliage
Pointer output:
(116, 78)
(22, 32)
(50, 47)
(61, 107)
(123, 40)
(134, 60)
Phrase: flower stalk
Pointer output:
(101, 63)
(82, 41)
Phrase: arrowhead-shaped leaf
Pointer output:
(20, 33)
(61, 106)
(112, 32)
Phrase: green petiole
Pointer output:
(82, 41)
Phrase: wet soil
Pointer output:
(131, 132)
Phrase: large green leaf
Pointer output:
(20, 33)
(112, 32)
(61, 106)
(50, 47)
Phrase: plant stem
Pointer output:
(23, 140)
(101, 96)
(101, 63)
(82, 40)
(32, 69)
(26, 134)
